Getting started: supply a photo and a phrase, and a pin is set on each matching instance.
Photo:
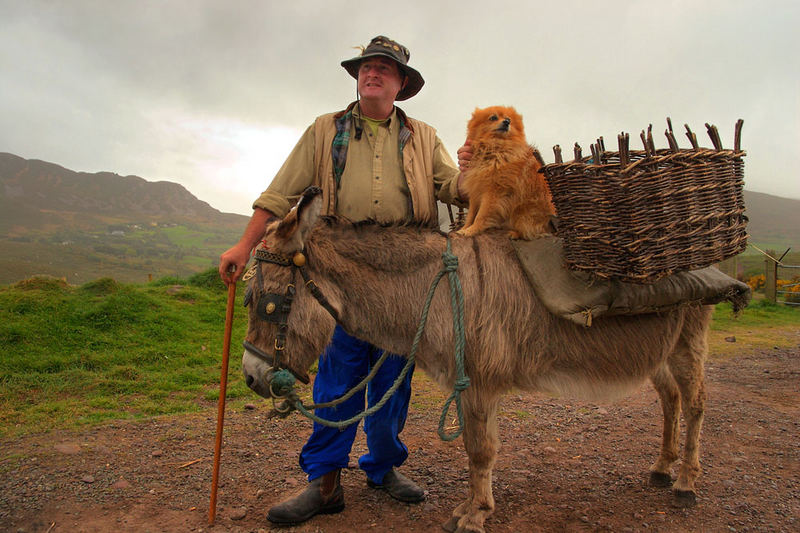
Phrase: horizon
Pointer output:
(247, 214)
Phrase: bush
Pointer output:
(792, 288)
(757, 282)
(208, 279)
(43, 283)
(101, 286)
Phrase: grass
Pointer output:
(761, 325)
(104, 350)
(77, 356)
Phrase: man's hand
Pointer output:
(236, 256)
(239, 254)
(464, 155)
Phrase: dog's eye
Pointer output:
(493, 118)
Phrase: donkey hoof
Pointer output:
(684, 498)
(660, 479)
(451, 525)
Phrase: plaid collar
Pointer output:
(343, 120)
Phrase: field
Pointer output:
(76, 356)
(126, 252)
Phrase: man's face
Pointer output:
(379, 78)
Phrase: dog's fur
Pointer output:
(502, 181)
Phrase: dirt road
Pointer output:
(563, 466)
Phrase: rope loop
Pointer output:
(461, 384)
(450, 262)
(282, 384)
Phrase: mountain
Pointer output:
(774, 222)
(33, 185)
(83, 226)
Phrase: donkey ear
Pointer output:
(296, 225)
(308, 209)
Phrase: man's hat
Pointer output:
(383, 46)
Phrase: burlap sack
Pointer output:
(582, 298)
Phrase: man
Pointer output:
(372, 162)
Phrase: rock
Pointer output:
(249, 406)
(730, 339)
(121, 484)
(156, 453)
(67, 448)
(87, 479)
(239, 513)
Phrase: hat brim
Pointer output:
(415, 81)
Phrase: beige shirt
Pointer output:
(373, 185)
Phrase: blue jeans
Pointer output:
(346, 361)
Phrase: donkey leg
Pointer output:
(686, 365)
(660, 472)
(481, 443)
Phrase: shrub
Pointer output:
(101, 286)
(208, 279)
(43, 283)
(757, 282)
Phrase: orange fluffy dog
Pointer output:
(502, 181)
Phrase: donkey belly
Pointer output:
(583, 386)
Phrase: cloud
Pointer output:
(206, 93)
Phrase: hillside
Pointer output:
(774, 222)
(82, 226)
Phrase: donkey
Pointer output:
(374, 280)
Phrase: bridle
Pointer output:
(275, 307)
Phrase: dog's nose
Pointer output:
(506, 122)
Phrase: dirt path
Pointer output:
(563, 466)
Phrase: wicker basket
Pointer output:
(638, 216)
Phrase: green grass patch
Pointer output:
(79, 356)
(761, 324)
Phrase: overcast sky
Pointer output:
(213, 94)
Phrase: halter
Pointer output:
(275, 308)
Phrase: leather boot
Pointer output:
(323, 495)
(399, 487)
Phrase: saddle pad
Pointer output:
(581, 297)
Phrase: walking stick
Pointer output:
(223, 385)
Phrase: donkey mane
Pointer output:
(334, 220)
(349, 239)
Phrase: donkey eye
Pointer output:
(493, 118)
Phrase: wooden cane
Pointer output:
(223, 385)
